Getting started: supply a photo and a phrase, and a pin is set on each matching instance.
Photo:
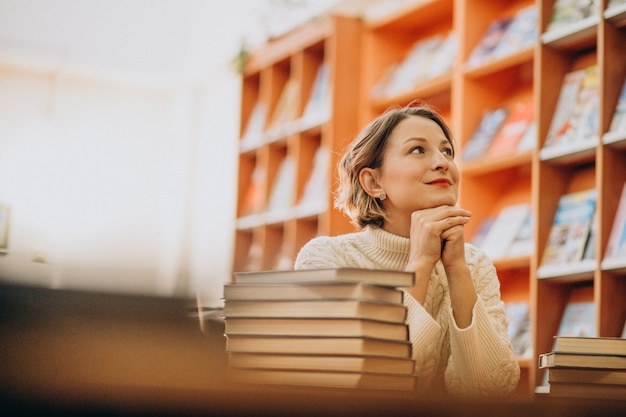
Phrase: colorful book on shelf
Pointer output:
(484, 134)
(520, 34)
(504, 230)
(616, 245)
(324, 363)
(589, 253)
(286, 109)
(484, 51)
(482, 231)
(590, 345)
(523, 243)
(570, 228)
(350, 346)
(347, 380)
(313, 291)
(282, 193)
(586, 118)
(518, 315)
(324, 308)
(513, 129)
(588, 391)
(618, 122)
(385, 277)
(443, 60)
(567, 12)
(324, 327)
(318, 107)
(562, 118)
(578, 320)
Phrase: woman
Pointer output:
(399, 185)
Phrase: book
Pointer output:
(590, 345)
(482, 231)
(565, 107)
(579, 390)
(304, 291)
(520, 34)
(504, 229)
(570, 228)
(567, 12)
(489, 41)
(443, 59)
(515, 125)
(579, 360)
(366, 364)
(282, 193)
(352, 346)
(286, 107)
(616, 245)
(316, 188)
(253, 134)
(589, 376)
(325, 308)
(318, 107)
(523, 242)
(518, 315)
(351, 380)
(586, 120)
(481, 139)
(324, 327)
(253, 201)
(578, 320)
(618, 121)
(383, 277)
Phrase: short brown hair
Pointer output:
(366, 151)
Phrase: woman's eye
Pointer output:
(418, 149)
(448, 151)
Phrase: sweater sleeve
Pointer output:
(482, 362)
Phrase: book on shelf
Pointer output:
(570, 229)
(347, 380)
(521, 33)
(616, 245)
(482, 231)
(253, 201)
(325, 308)
(590, 345)
(385, 277)
(443, 60)
(562, 118)
(586, 119)
(578, 320)
(513, 129)
(523, 243)
(589, 391)
(330, 363)
(318, 107)
(588, 376)
(518, 315)
(488, 43)
(481, 139)
(253, 134)
(529, 139)
(324, 327)
(504, 230)
(615, 3)
(316, 188)
(618, 121)
(282, 193)
(313, 291)
(305, 345)
(286, 108)
(579, 360)
(566, 12)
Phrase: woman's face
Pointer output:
(418, 169)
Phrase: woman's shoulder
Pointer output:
(325, 251)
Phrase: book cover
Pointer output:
(518, 315)
(586, 119)
(323, 327)
(385, 277)
(616, 245)
(523, 244)
(328, 308)
(561, 121)
(520, 34)
(318, 107)
(304, 291)
(286, 107)
(347, 380)
(316, 188)
(369, 364)
(570, 228)
(443, 60)
(513, 129)
(504, 229)
(484, 134)
(351, 346)
(489, 41)
(618, 122)
(483, 230)
(590, 345)
(578, 320)
(282, 193)
(566, 12)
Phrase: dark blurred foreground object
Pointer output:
(80, 353)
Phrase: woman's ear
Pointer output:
(368, 177)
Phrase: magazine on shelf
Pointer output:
(618, 122)
(567, 12)
(520, 34)
(518, 315)
(523, 243)
(484, 51)
(578, 320)
(515, 126)
(504, 230)
(283, 187)
(484, 134)
(616, 245)
(318, 107)
(253, 135)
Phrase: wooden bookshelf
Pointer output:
(463, 95)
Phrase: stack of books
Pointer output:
(334, 328)
(586, 367)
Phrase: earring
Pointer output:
(382, 196)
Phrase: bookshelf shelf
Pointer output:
(534, 174)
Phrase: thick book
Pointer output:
(315, 309)
(368, 364)
(304, 291)
(484, 134)
(579, 360)
(385, 277)
(349, 327)
(590, 345)
(588, 376)
(351, 380)
(589, 391)
(616, 245)
(352, 346)
(570, 228)
(513, 129)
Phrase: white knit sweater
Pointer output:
(475, 361)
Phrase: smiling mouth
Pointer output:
(440, 183)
